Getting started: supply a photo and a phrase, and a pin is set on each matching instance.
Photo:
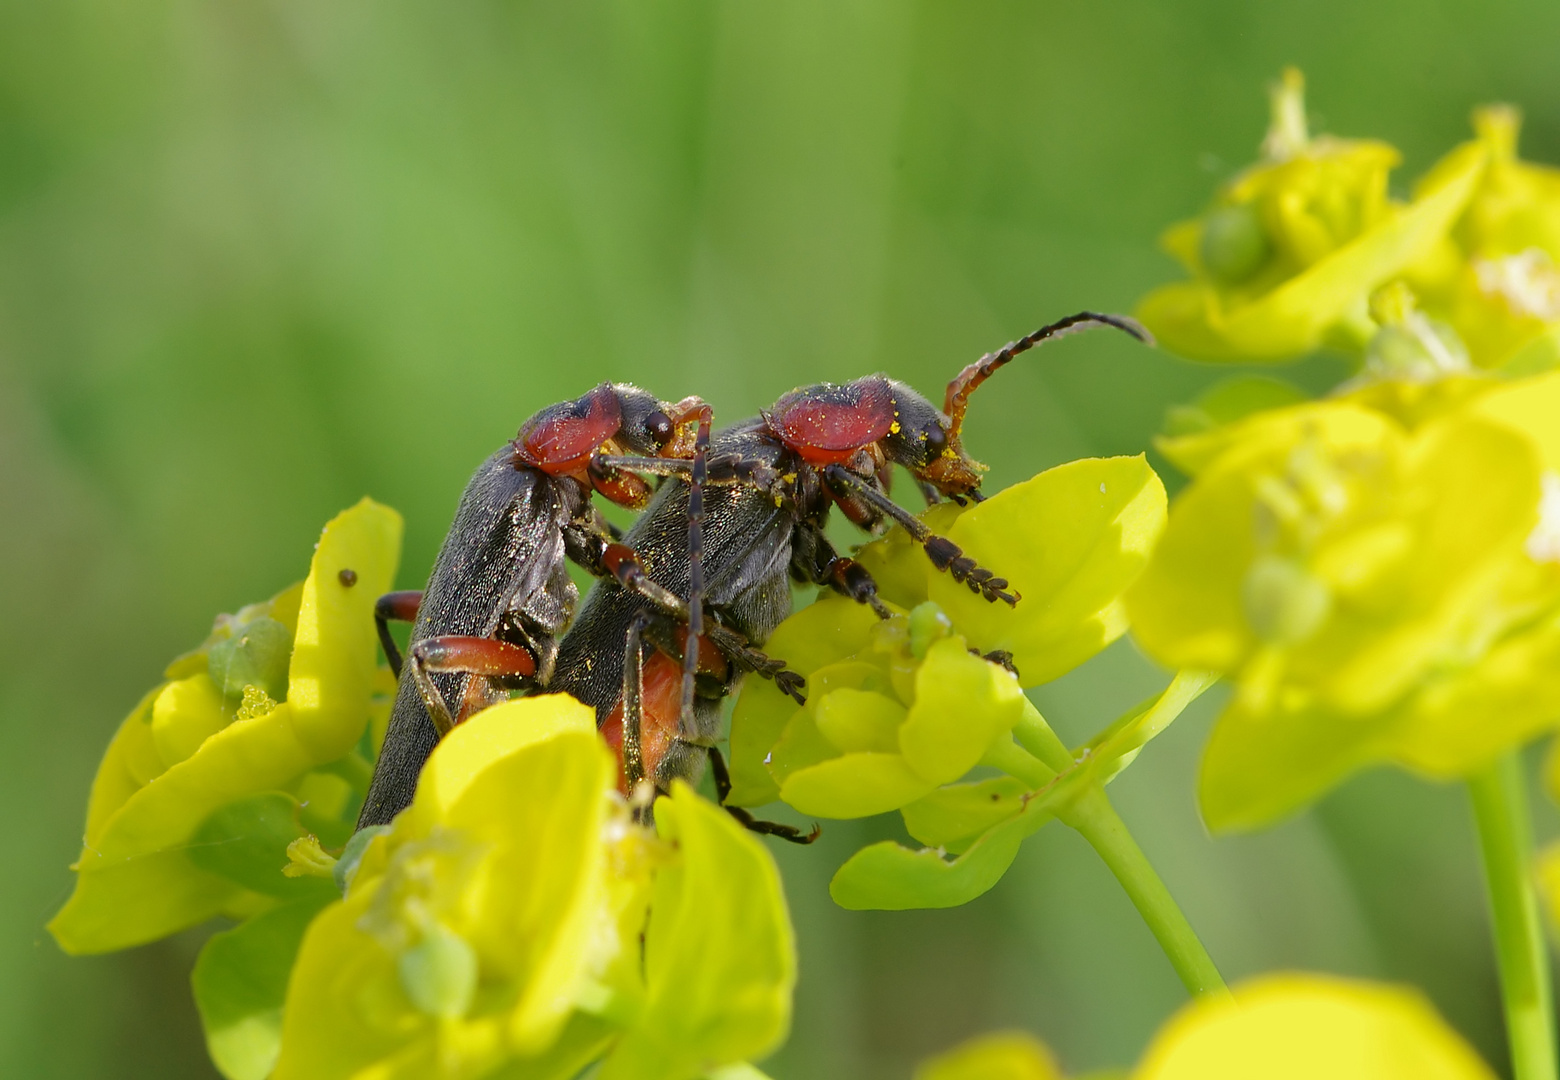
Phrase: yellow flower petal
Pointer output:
(1301, 1027)
(1012, 1055)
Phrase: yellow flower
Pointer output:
(1375, 592)
(211, 776)
(1278, 1027)
(1287, 257)
(900, 710)
(498, 923)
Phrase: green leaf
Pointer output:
(240, 981)
(256, 655)
(246, 842)
(887, 876)
(134, 881)
(859, 720)
(720, 960)
(1070, 541)
(1260, 766)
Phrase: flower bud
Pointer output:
(1234, 245)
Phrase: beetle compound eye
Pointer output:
(936, 440)
(659, 427)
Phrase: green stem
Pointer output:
(1097, 821)
(1013, 759)
(1501, 813)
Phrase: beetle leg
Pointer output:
(457, 655)
(944, 553)
(768, 828)
(820, 564)
(633, 702)
(736, 648)
(696, 480)
(723, 470)
(402, 607)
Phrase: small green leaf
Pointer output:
(801, 746)
(821, 634)
(240, 981)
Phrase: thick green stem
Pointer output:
(1097, 821)
(1501, 814)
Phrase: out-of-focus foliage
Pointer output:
(259, 259)
(1294, 250)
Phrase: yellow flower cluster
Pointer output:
(899, 711)
(1296, 251)
(500, 925)
(1379, 575)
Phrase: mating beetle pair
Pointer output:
(743, 512)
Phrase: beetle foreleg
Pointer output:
(944, 553)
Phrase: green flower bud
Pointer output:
(927, 625)
(1234, 245)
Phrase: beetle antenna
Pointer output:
(960, 389)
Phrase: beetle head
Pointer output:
(926, 443)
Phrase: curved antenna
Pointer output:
(960, 389)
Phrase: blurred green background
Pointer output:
(260, 257)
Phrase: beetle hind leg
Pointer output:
(768, 828)
(402, 607)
